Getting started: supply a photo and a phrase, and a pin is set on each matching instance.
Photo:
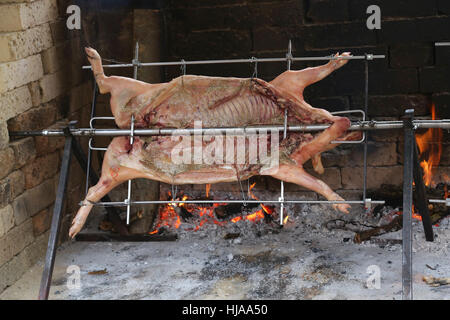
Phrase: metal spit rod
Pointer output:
(359, 126)
(250, 60)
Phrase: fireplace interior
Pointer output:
(226, 240)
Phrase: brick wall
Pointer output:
(41, 85)
(415, 74)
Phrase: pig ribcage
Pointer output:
(250, 109)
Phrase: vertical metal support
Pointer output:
(407, 290)
(135, 71)
(56, 219)
(421, 198)
(289, 61)
(136, 60)
(366, 141)
(89, 157)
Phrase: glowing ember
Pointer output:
(169, 214)
(268, 210)
(430, 144)
(236, 219)
(414, 214)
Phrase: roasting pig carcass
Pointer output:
(214, 102)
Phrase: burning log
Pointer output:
(232, 209)
(435, 282)
(437, 211)
(183, 212)
(394, 225)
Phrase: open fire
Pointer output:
(172, 214)
(430, 147)
(430, 151)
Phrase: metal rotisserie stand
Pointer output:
(412, 170)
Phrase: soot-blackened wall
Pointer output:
(415, 73)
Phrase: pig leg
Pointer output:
(317, 163)
(112, 175)
(297, 175)
(317, 160)
(95, 193)
(295, 81)
(122, 89)
(322, 141)
(112, 84)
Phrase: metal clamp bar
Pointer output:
(91, 125)
(141, 202)
(363, 119)
(93, 119)
(224, 61)
(95, 148)
(368, 204)
(444, 201)
(442, 44)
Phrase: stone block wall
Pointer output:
(41, 85)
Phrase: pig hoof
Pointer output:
(317, 164)
(339, 62)
(92, 53)
(342, 207)
(77, 225)
(74, 231)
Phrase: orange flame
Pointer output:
(236, 219)
(414, 214)
(430, 145)
(208, 187)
